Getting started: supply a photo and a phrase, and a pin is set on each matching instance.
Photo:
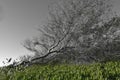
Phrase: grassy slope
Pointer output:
(97, 71)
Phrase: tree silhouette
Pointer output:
(75, 28)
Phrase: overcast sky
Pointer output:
(18, 21)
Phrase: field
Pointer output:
(96, 71)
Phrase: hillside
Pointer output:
(96, 71)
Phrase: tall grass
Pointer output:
(97, 71)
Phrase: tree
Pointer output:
(74, 28)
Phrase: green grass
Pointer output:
(97, 71)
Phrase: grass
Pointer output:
(96, 71)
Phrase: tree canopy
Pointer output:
(78, 30)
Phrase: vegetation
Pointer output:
(96, 71)
(77, 33)
(78, 30)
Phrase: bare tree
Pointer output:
(74, 27)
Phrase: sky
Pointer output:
(18, 22)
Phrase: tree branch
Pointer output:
(59, 51)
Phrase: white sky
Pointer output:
(18, 20)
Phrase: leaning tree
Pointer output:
(75, 29)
